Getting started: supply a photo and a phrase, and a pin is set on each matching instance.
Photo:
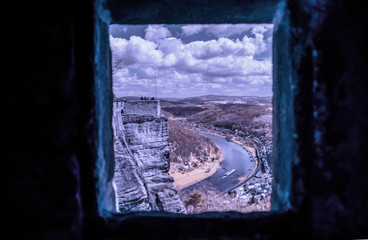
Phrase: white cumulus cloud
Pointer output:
(195, 68)
(191, 29)
(156, 32)
(225, 30)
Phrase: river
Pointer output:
(236, 157)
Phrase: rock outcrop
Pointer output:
(141, 178)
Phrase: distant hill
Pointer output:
(228, 98)
(201, 100)
(231, 114)
(219, 110)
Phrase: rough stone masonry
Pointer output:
(141, 179)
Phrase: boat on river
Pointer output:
(229, 172)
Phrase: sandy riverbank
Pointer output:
(251, 150)
(185, 179)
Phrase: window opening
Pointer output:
(192, 117)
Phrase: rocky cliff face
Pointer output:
(141, 179)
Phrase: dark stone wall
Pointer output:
(50, 125)
(49, 130)
(333, 76)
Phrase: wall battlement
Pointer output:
(137, 107)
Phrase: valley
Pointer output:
(197, 160)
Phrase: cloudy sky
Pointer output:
(192, 60)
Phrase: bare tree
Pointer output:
(115, 61)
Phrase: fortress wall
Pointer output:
(138, 107)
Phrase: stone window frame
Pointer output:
(284, 194)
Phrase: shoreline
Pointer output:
(251, 150)
(183, 180)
